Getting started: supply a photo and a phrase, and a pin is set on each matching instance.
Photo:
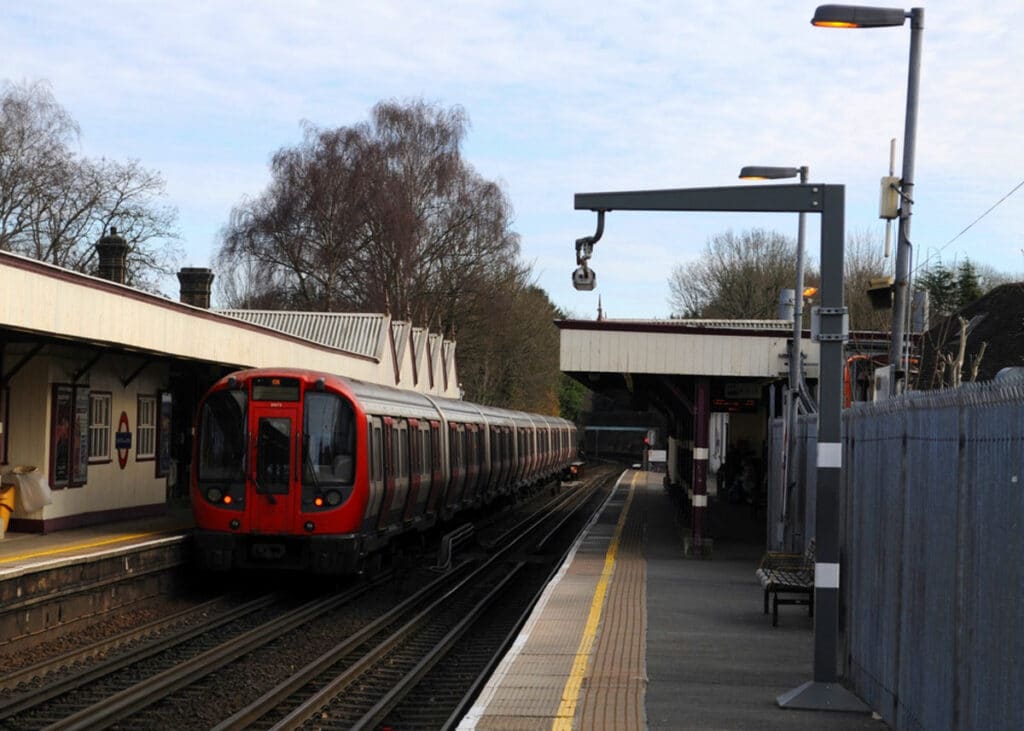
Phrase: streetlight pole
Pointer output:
(854, 16)
(753, 172)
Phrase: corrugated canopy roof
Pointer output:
(354, 333)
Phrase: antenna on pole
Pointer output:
(888, 206)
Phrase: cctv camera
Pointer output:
(584, 279)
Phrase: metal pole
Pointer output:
(902, 284)
(701, 420)
(824, 692)
(794, 365)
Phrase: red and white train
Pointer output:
(305, 470)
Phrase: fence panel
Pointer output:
(932, 528)
(990, 652)
(872, 526)
(926, 659)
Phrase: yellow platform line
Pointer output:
(77, 547)
(571, 691)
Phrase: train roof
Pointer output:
(375, 397)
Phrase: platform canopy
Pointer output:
(730, 348)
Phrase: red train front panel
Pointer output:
(278, 476)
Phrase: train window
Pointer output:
(426, 452)
(273, 455)
(399, 450)
(222, 436)
(403, 450)
(328, 440)
(435, 444)
(275, 389)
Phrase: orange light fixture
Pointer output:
(857, 16)
(319, 502)
(810, 291)
(227, 499)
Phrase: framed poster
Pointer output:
(165, 404)
(80, 438)
(61, 429)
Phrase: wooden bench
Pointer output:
(789, 579)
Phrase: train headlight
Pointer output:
(333, 498)
(318, 501)
(309, 526)
(214, 495)
(235, 524)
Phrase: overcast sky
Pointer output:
(563, 97)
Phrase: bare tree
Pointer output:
(737, 277)
(740, 276)
(34, 134)
(864, 260)
(386, 215)
(55, 205)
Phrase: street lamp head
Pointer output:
(857, 16)
(762, 172)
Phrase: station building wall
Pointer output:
(43, 428)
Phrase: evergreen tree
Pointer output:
(968, 285)
(941, 286)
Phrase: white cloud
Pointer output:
(564, 97)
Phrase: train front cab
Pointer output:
(275, 468)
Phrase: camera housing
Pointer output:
(584, 279)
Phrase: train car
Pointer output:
(304, 470)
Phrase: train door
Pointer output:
(457, 462)
(470, 493)
(422, 455)
(416, 482)
(396, 450)
(273, 459)
(375, 499)
(497, 460)
(437, 477)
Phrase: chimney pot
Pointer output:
(112, 250)
(196, 284)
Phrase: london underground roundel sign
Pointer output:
(122, 440)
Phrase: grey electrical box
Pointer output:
(889, 197)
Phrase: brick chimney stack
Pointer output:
(196, 284)
(112, 250)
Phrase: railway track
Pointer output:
(388, 649)
(66, 693)
(368, 677)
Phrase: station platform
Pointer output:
(26, 552)
(49, 581)
(630, 634)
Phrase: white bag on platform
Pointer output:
(33, 492)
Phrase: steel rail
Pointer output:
(34, 697)
(142, 695)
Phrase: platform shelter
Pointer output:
(717, 382)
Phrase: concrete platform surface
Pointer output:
(632, 635)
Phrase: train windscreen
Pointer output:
(329, 440)
(222, 437)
